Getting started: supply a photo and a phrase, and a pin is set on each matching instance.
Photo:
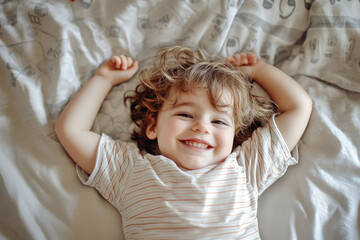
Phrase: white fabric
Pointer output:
(157, 198)
(48, 49)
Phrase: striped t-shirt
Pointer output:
(159, 200)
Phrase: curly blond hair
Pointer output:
(181, 69)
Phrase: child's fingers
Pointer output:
(130, 62)
(124, 62)
(230, 60)
(252, 59)
(116, 61)
(237, 58)
(244, 60)
(134, 67)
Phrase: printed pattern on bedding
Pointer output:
(331, 50)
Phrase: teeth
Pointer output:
(196, 144)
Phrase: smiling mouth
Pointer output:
(196, 144)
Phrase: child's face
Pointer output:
(192, 132)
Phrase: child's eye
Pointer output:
(220, 122)
(184, 115)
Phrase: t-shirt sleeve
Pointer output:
(113, 167)
(265, 156)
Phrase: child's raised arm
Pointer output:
(74, 124)
(294, 103)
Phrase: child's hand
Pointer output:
(118, 69)
(247, 62)
(242, 59)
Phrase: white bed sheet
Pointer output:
(48, 49)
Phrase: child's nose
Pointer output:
(202, 127)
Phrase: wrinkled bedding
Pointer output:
(49, 49)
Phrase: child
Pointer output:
(206, 165)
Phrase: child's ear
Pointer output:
(151, 131)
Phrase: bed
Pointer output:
(49, 49)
